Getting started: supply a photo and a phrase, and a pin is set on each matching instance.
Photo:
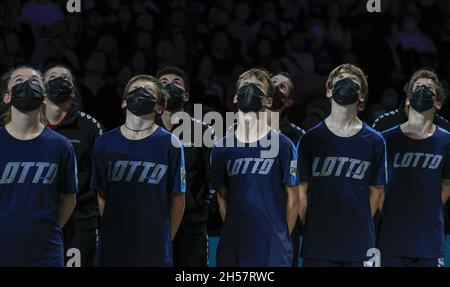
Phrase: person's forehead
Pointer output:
(58, 71)
(143, 83)
(424, 81)
(251, 79)
(171, 77)
(24, 72)
(281, 79)
(345, 74)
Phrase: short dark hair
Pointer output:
(175, 71)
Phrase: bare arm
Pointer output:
(176, 211)
(101, 203)
(303, 191)
(375, 197)
(445, 194)
(222, 202)
(292, 206)
(66, 205)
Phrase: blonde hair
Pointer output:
(351, 69)
(161, 97)
(426, 74)
(260, 74)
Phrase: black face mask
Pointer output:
(346, 92)
(249, 98)
(175, 100)
(422, 98)
(277, 100)
(140, 102)
(59, 90)
(27, 96)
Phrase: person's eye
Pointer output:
(19, 80)
(35, 81)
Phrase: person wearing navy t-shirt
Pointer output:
(342, 166)
(138, 172)
(255, 176)
(38, 180)
(412, 225)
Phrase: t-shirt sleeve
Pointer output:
(289, 165)
(218, 167)
(68, 181)
(304, 162)
(379, 164)
(446, 170)
(177, 171)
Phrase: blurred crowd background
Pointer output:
(214, 41)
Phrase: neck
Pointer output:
(420, 123)
(55, 113)
(251, 127)
(138, 123)
(138, 127)
(343, 116)
(24, 125)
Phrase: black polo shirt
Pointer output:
(197, 165)
(82, 130)
(293, 132)
(398, 116)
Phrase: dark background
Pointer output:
(214, 41)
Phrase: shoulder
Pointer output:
(201, 124)
(443, 137)
(386, 120)
(283, 140)
(442, 123)
(167, 137)
(374, 136)
(443, 133)
(206, 128)
(90, 122)
(106, 138)
(55, 139)
(313, 132)
(221, 143)
(390, 132)
(297, 129)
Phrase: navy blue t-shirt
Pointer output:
(137, 179)
(255, 231)
(412, 216)
(32, 175)
(339, 171)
